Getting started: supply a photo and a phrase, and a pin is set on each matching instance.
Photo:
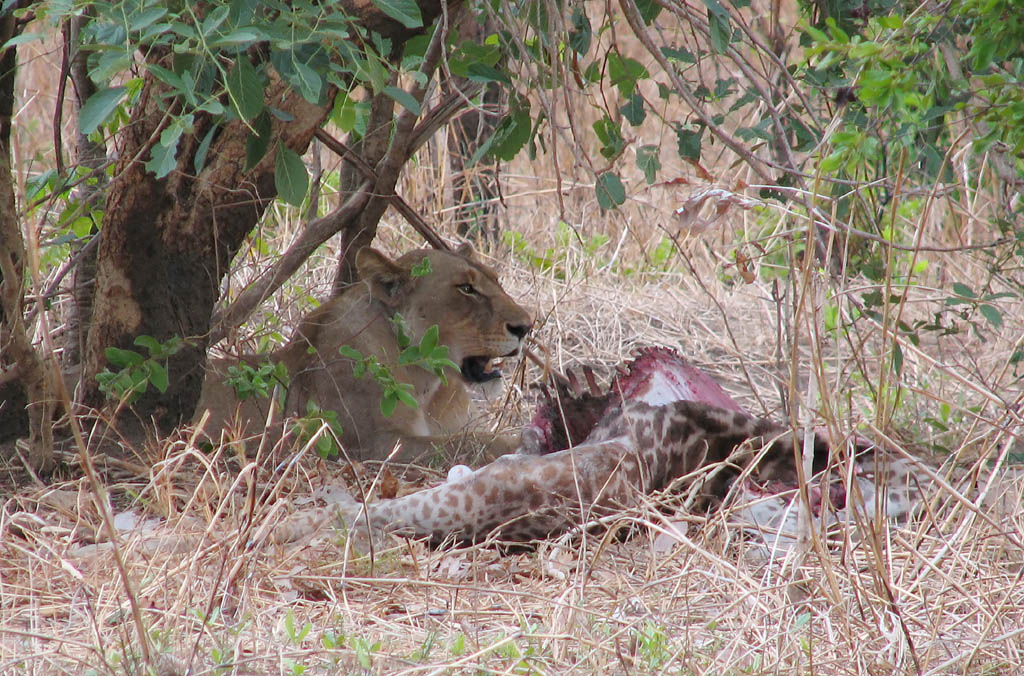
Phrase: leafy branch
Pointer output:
(427, 355)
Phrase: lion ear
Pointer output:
(467, 251)
(383, 275)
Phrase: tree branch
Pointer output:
(312, 236)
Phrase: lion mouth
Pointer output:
(474, 370)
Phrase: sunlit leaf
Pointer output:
(405, 12)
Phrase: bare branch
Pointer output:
(313, 235)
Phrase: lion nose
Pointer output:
(519, 330)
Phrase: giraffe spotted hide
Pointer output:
(662, 423)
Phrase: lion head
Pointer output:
(476, 319)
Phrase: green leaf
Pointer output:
(681, 55)
(649, 10)
(123, 358)
(158, 376)
(689, 142)
(388, 403)
(429, 340)
(982, 52)
(359, 369)
(204, 147)
(994, 317)
(400, 328)
(161, 157)
(721, 33)
(963, 290)
(308, 81)
(891, 22)
(481, 72)
(409, 355)
(832, 163)
(634, 111)
(421, 269)
(610, 191)
(21, 39)
(649, 162)
(150, 343)
(344, 112)
(405, 12)
(403, 98)
(245, 87)
(258, 140)
(816, 34)
(610, 135)
(213, 20)
(581, 33)
(406, 398)
(716, 8)
(98, 108)
(509, 137)
(624, 73)
(239, 37)
(290, 176)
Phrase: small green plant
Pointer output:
(308, 425)
(296, 634)
(259, 381)
(364, 651)
(422, 653)
(421, 269)
(427, 355)
(653, 645)
(332, 640)
(137, 372)
(556, 258)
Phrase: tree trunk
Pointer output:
(372, 148)
(28, 397)
(167, 243)
(92, 155)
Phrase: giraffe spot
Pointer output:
(536, 500)
(677, 432)
(659, 418)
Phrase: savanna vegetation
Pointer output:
(819, 203)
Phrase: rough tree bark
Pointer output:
(167, 243)
(26, 387)
(92, 155)
(371, 147)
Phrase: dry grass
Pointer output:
(941, 595)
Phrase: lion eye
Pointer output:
(467, 289)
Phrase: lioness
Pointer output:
(477, 320)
